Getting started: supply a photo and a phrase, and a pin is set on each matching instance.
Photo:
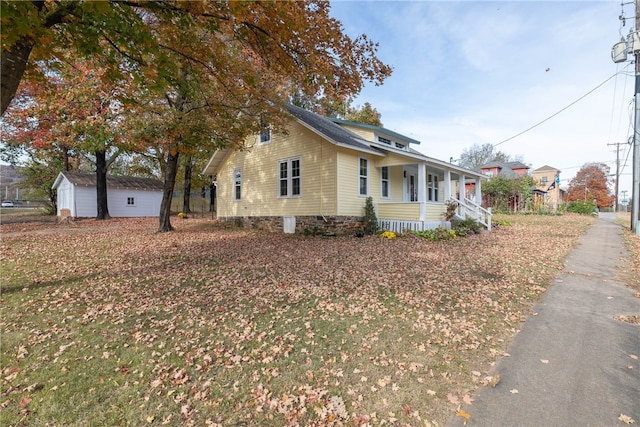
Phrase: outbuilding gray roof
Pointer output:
(121, 182)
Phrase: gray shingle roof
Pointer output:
(329, 129)
(122, 182)
(376, 129)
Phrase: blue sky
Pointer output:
(476, 72)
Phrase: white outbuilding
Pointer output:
(126, 196)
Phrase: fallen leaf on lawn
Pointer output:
(431, 392)
(467, 399)
(513, 391)
(633, 356)
(150, 418)
(453, 399)
(494, 380)
(25, 401)
(544, 360)
(463, 414)
(626, 419)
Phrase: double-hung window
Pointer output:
(289, 175)
(265, 135)
(432, 186)
(384, 181)
(363, 187)
(237, 184)
(131, 201)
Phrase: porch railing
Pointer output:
(470, 209)
(401, 226)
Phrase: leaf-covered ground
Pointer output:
(109, 323)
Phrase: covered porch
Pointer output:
(427, 186)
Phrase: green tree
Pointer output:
(40, 167)
(370, 218)
(365, 114)
(503, 193)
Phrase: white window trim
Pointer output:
(236, 172)
(382, 180)
(384, 140)
(433, 187)
(366, 177)
(266, 129)
(290, 177)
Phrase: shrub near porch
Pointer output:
(209, 326)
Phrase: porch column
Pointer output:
(479, 191)
(447, 185)
(422, 190)
(463, 189)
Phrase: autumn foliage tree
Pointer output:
(230, 65)
(72, 109)
(591, 183)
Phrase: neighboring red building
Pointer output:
(491, 169)
(510, 169)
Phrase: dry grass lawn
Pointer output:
(109, 323)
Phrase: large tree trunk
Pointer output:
(12, 65)
(188, 171)
(65, 159)
(101, 185)
(170, 172)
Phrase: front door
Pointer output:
(412, 188)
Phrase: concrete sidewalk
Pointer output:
(572, 364)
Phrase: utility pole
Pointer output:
(617, 144)
(635, 209)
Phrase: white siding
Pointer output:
(147, 203)
(82, 201)
(65, 197)
(86, 203)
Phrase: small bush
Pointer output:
(450, 212)
(581, 207)
(370, 219)
(467, 226)
(435, 235)
(501, 223)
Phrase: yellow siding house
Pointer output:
(319, 174)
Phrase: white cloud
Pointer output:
(480, 72)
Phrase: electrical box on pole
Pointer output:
(619, 53)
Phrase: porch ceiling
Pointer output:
(456, 171)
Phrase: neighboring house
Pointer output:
(548, 190)
(508, 169)
(319, 174)
(126, 196)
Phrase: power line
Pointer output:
(565, 108)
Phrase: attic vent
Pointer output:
(384, 140)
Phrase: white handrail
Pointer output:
(470, 208)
